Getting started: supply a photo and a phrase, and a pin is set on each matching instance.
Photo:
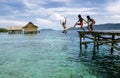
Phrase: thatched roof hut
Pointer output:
(14, 29)
(30, 28)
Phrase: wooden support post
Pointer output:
(98, 38)
(112, 44)
(81, 42)
(94, 47)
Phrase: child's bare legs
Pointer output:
(88, 27)
(65, 30)
(75, 25)
(91, 26)
(82, 28)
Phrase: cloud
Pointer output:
(12, 22)
(32, 4)
(60, 0)
(116, 16)
(42, 12)
(63, 11)
(49, 24)
(113, 6)
(112, 11)
(44, 23)
(58, 13)
(73, 11)
(56, 16)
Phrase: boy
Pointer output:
(80, 22)
(90, 22)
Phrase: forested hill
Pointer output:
(107, 26)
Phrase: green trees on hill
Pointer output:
(3, 30)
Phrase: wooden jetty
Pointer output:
(100, 37)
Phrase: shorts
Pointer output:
(81, 24)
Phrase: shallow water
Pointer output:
(50, 54)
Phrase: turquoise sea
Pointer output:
(52, 54)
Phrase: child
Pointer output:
(80, 22)
(64, 26)
(90, 22)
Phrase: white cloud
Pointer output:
(116, 16)
(60, 0)
(49, 18)
(41, 16)
(56, 16)
(46, 23)
(73, 11)
(62, 11)
(113, 6)
(82, 13)
(32, 4)
(12, 22)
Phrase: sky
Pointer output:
(46, 14)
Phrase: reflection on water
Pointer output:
(52, 54)
(102, 64)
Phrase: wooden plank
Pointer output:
(87, 42)
(103, 42)
(105, 32)
(113, 47)
(109, 41)
(89, 37)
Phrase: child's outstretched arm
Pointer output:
(85, 21)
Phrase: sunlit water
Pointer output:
(52, 54)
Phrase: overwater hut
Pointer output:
(14, 29)
(30, 28)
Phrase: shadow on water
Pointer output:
(102, 66)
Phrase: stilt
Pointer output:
(81, 43)
(112, 44)
(94, 47)
(98, 38)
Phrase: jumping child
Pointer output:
(64, 26)
(80, 22)
(90, 22)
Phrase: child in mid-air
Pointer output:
(64, 26)
(80, 22)
(90, 22)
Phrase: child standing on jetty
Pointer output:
(90, 22)
(79, 22)
(64, 26)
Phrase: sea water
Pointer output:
(52, 54)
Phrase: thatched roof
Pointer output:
(14, 28)
(29, 24)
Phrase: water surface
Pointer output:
(50, 54)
